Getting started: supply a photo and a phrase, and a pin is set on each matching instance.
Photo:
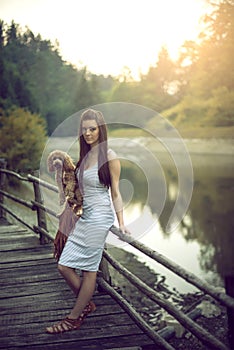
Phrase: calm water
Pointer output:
(202, 242)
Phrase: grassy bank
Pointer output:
(189, 132)
(206, 132)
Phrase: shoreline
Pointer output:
(194, 146)
(209, 146)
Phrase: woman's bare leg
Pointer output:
(71, 277)
(85, 294)
(86, 289)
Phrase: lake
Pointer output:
(202, 240)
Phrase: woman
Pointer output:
(97, 170)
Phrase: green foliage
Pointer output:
(126, 92)
(22, 139)
(221, 107)
(33, 75)
(216, 111)
(208, 96)
(160, 81)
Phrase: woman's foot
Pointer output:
(70, 324)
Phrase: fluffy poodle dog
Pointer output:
(61, 163)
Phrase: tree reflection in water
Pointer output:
(209, 220)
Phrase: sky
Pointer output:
(108, 35)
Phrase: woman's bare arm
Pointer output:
(115, 169)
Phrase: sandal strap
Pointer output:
(70, 323)
(56, 328)
(90, 307)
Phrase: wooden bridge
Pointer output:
(33, 295)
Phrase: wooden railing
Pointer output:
(160, 337)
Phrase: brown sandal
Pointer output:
(69, 324)
(65, 325)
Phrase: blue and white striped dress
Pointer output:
(84, 246)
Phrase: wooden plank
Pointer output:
(52, 297)
(22, 256)
(16, 236)
(33, 288)
(24, 271)
(127, 343)
(43, 249)
(12, 228)
(110, 343)
(127, 348)
(27, 305)
(35, 267)
(31, 253)
(35, 334)
(18, 271)
(68, 346)
(19, 245)
(62, 306)
(18, 325)
(27, 263)
(30, 266)
(25, 280)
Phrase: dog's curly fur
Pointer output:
(61, 163)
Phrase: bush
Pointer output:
(22, 139)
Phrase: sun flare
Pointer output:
(108, 35)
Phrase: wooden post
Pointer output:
(41, 216)
(104, 269)
(104, 272)
(3, 219)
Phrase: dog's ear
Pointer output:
(68, 163)
(50, 160)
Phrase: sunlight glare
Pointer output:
(106, 36)
(131, 34)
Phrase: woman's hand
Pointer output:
(123, 229)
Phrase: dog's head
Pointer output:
(58, 160)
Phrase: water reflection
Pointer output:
(203, 241)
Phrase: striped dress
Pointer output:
(84, 246)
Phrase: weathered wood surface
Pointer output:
(33, 296)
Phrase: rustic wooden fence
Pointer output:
(186, 320)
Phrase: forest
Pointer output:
(196, 92)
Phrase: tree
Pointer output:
(3, 81)
(214, 67)
(34, 76)
(157, 84)
(208, 82)
(22, 139)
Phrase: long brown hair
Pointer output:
(103, 167)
